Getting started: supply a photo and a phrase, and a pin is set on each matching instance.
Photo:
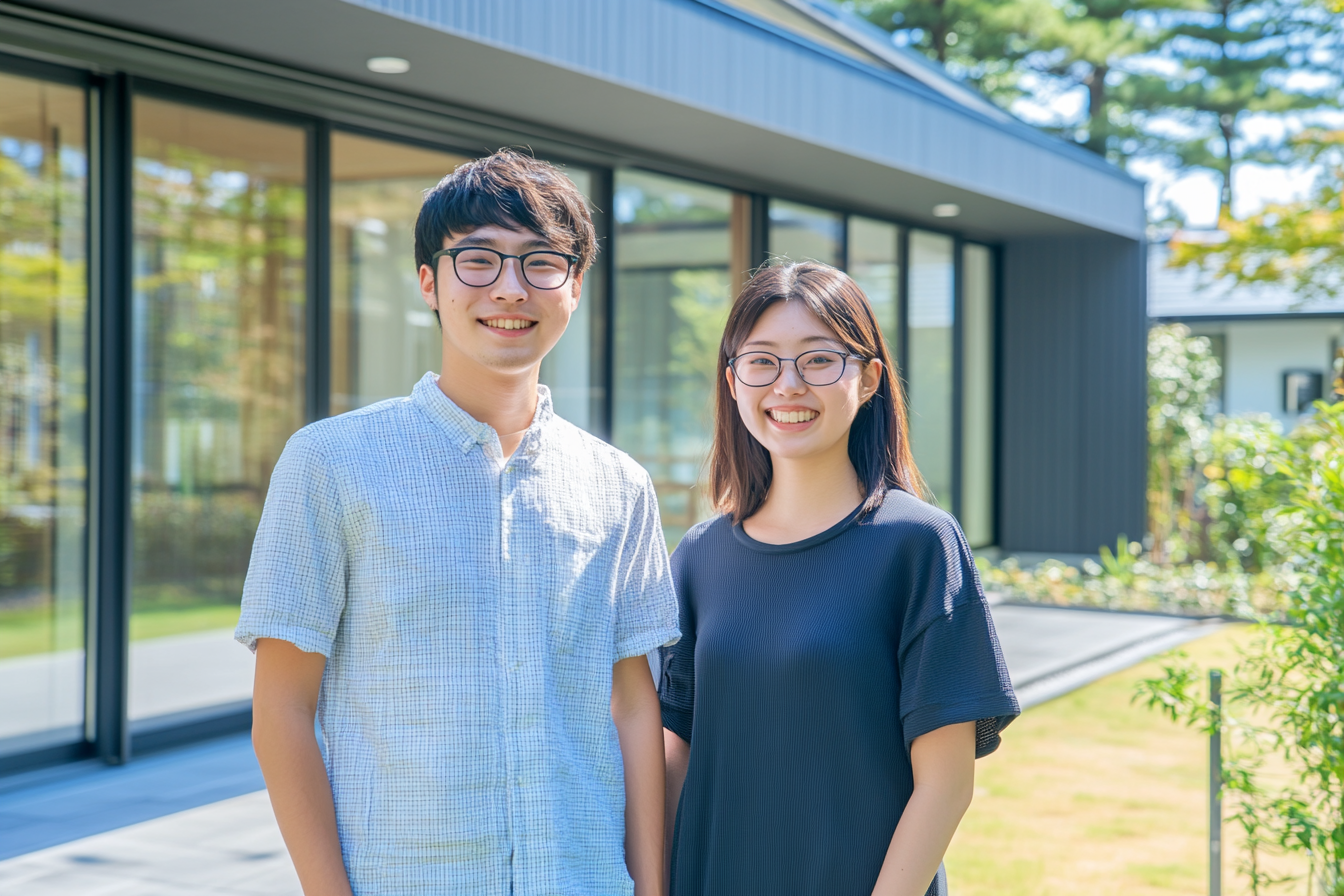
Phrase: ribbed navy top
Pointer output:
(803, 673)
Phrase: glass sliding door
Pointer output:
(875, 265)
(928, 368)
(804, 233)
(218, 384)
(383, 337)
(674, 283)
(43, 412)
(977, 401)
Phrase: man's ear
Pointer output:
(428, 292)
(577, 288)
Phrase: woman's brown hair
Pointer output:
(739, 466)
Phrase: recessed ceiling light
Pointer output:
(946, 210)
(388, 65)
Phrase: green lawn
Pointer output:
(1090, 794)
(29, 631)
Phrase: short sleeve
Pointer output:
(676, 692)
(951, 667)
(646, 605)
(296, 581)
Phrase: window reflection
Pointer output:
(928, 369)
(43, 389)
(977, 401)
(218, 384)
(803, 233)
(875, 265)
(674, 283)
(383, 337)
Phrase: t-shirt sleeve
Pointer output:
(951, 666)
(296, 581)
(676, 691)
(646, 604)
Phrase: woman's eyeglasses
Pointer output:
(816, 368)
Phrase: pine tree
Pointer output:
(1222, 63)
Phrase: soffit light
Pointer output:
(388, 65)
(946, 210)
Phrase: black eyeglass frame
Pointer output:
(844, 365)
(503, 256)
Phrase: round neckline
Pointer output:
(765, 547)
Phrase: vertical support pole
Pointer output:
(602, 336)
(1216, 785)
(319, 272)
(111, 397)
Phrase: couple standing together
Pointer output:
(462, 588)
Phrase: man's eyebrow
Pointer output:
(491, 243)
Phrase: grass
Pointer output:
(31, 631)
(1092, 794)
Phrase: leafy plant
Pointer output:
(1286, 694)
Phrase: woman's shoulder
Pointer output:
(704, 534)
(904, 513)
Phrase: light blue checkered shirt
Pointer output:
(471, 610)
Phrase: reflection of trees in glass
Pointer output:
(219, 332)
(42, 376)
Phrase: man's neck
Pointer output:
(505, 401)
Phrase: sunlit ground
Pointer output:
(1090, 794)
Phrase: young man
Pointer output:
(463, 588)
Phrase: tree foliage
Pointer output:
(1295, 245)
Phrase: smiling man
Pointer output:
(461, 587)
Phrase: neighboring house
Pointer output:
(206, 244)
(1277, 355)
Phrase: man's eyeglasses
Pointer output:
(479, 266)
(816, 368)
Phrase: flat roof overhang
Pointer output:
(687, 86)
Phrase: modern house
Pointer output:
(205, 219)
(1278, 355)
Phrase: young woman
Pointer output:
(838, 671)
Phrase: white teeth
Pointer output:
(793, 416)
(509, 324)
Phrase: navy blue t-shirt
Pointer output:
(803, 673)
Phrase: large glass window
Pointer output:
(928, 369)
(674, 283)
(43, 402)
(218, 384)
(804, 233)
(874, 263)
(383, 337)
(977, 401)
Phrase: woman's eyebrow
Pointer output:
(805, 341)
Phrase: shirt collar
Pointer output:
(465, 430)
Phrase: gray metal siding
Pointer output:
(696, 54)
(1072, 426)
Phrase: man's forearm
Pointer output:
(640, 727)
(301, 797)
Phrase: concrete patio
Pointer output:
(197, 821)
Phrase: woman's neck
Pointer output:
(808, 495)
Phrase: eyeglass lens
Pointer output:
(816, 368)
(481, 267)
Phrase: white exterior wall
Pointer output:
(1259, 351)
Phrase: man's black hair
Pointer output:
(507, 189)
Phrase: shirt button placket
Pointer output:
(509, 623)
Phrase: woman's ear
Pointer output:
(871, 380)
(732, 383)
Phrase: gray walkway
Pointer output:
(196, 820)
